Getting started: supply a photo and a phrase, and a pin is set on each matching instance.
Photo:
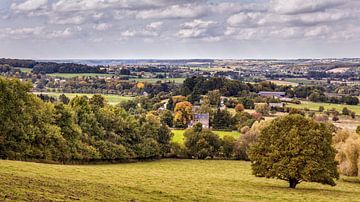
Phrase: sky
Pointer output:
(179, 29)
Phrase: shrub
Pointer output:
(201, 143)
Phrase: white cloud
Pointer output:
(21, 33)
(196, 28)
(29, 5)
(102, 26)
(77, 20)
(174, 11)
(154, 25)
(65, 33)
(303, 6)
(198, 23)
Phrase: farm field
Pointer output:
(26, 70)
(284, 83)
(179, 135)
(315, 106)
(163, 180)
(154, 80)
(304, 81)
(112, 99)
(71, 75)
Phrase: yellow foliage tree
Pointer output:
(183, 114)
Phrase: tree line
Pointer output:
(84, 130)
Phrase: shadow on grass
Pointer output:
(331, 190)
(351, 180)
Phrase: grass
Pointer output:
(315, 106)
(179, 135)
(164, 180)
(284, 83)
(71, 75)
(154, 80)
(26, 70)
(112, 99)
(304, 81)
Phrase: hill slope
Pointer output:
(165, 180)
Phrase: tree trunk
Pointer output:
(293, 182)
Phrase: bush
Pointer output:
(202, 143)
(228, 146)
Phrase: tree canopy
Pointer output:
(295, 149)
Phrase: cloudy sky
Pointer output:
(104, 29)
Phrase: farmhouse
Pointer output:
(271, 94)
(200, 118)
(276, 105)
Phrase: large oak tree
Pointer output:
(295, 149)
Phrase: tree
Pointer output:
(205, 106)
(358, 129)
(183, 114)
(295, 149)
(346, 111)
(239, 108)
(202, 143)
(321, 108)
(214, 97)
(222, 120)
(167, 118)
(228, 146)
(262, 108)
(64, 99)
(347, 145)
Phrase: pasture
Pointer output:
(163, 180)
(179, 135)
(72, 75)
(112, 99)
(315, 106)
(154, 80)
(284, 83)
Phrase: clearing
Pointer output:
(179, 135)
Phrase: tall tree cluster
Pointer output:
(83, 130)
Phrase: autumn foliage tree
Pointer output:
(295, 149)
(183, 114)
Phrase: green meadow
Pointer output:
(112, 99)
(163, 180)
(315, 106)
(71, 75)
(154, 80)
(179, 135)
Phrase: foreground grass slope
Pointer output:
(165, 180)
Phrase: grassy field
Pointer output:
(316, 105)
(304, 81)
(26, 70)
(154, 80)
(71, 75)
(179, 135)
(164, 180)
(283, 83)
(112, 99)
